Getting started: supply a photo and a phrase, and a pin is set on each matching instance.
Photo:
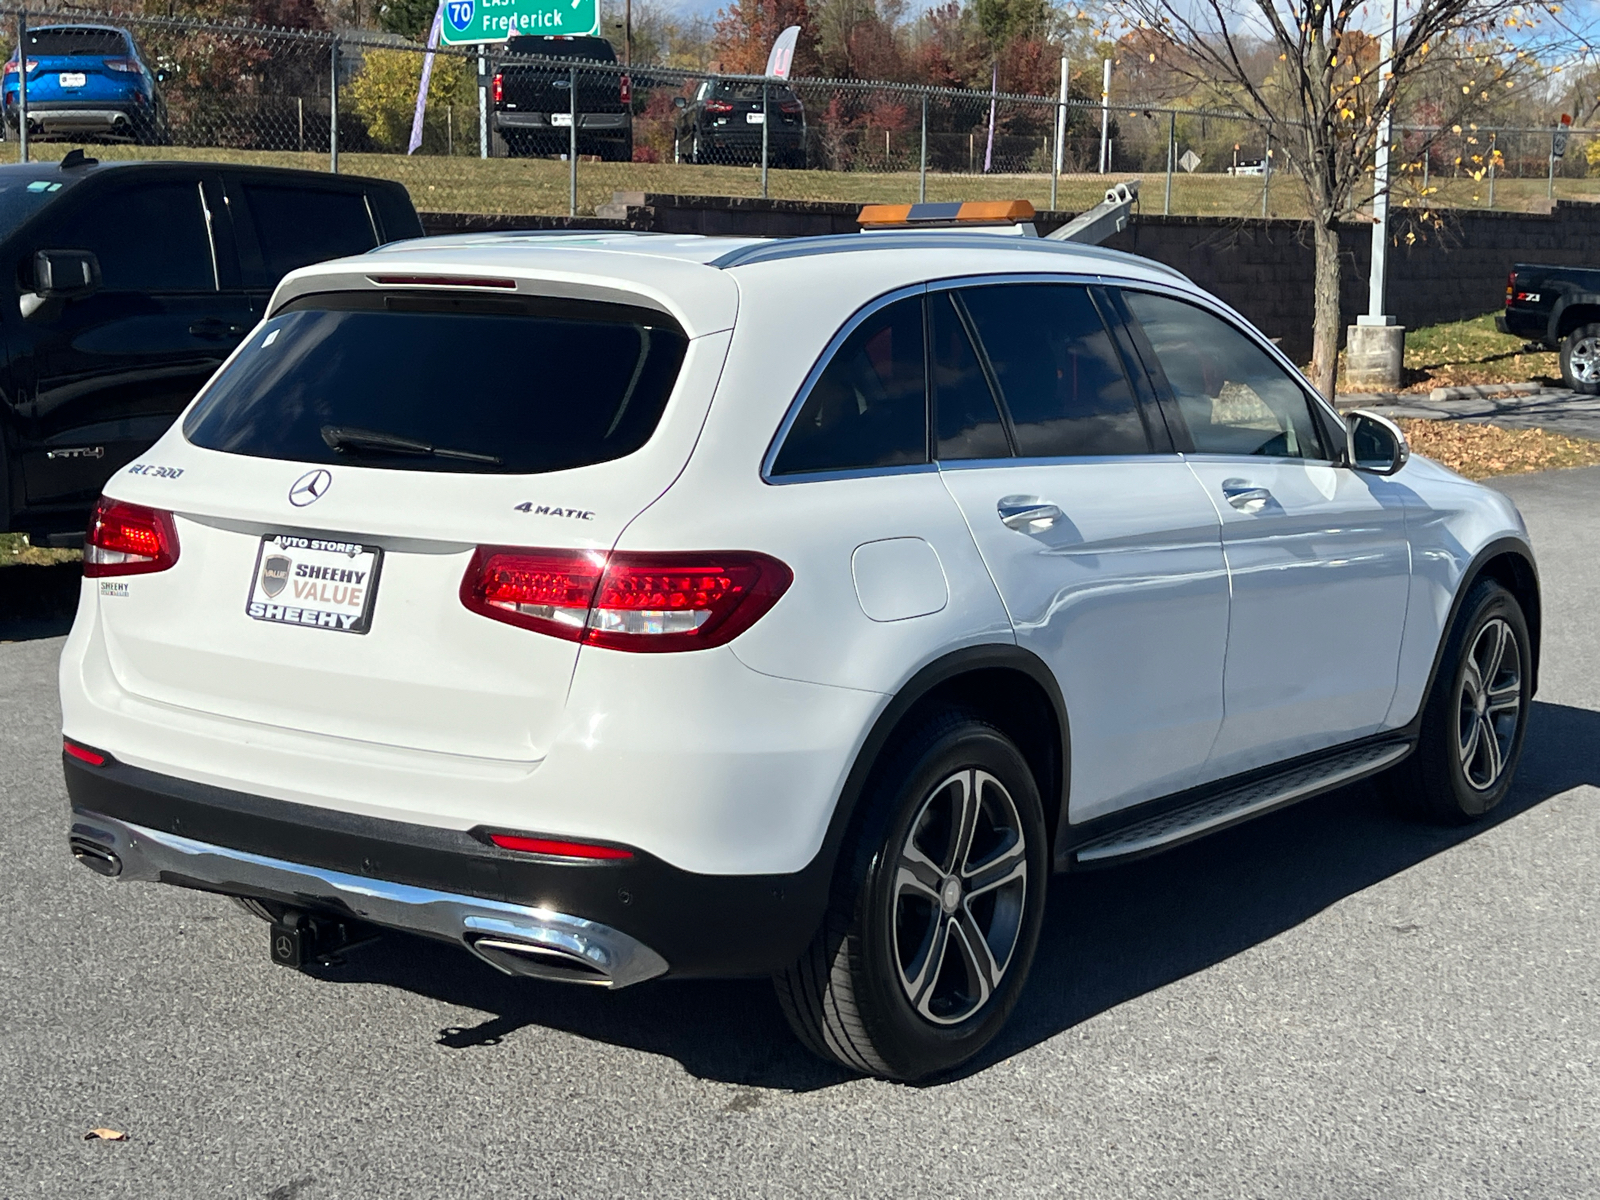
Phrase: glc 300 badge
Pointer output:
(309, 487)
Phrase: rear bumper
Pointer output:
(1534, 326)
(629, 920)
(86, 115)
(616, 124)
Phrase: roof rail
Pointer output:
(947, 239)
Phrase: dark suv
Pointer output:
(131, 282)
(533, 101)
(722, 124)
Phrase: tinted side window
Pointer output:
(149, 238)
(868, 408)
(1059, 375)
(1234, 398)
(968, 423)
(300, 226)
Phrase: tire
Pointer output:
(1580, 359)
(1471, 737)
(929, 934)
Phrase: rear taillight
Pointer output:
(11, 67)
(128, 65)
(128, 539)
(558, 848)
(82, 753)
(718, 108)
(627, 601)
(499, 87)
(790, 106)
(627, 90)
(1511, 288)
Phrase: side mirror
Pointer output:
(679, 102)
(60, 275)
(1376, 443)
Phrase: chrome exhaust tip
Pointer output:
(98, 858)
(517, 957)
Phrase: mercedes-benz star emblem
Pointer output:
(309, 487)
(285, 947)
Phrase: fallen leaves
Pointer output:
(105, 1135)
(1479, 451)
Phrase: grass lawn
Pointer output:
(16, 552)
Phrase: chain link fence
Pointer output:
(511, 133)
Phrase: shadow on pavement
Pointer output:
(38, 601)
(1109, 935)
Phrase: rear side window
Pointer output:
(148, 238)
(300, 226)
(868, 408)
(1061, 380)
(376, 380)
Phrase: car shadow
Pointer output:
(1109, 935)
(38, 600)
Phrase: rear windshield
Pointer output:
(592, 48)
(68, 43)
(430, 383)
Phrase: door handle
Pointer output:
(1027, 514)
(1246, 497)
(214, 330)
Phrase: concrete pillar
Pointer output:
(1374, 355)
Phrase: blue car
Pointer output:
(87, 79)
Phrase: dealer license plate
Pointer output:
(322, 583)
(72, 78)
(755, 118)
(564, 120)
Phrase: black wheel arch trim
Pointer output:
(1499, 548)
(1570, 300)
(994, 656)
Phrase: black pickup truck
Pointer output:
(1560, 308)
(533, 108)
(128, 284)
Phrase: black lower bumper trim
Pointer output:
(703, 925)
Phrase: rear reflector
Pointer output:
(532, 845)
(128, 539)
(82, 753)
(627, 601)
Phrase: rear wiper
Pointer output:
(347, 437)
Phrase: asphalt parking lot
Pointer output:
(1332, 1002)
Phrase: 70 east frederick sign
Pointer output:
(471, 21)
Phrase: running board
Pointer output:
(1218, 812)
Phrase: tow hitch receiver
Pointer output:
(300, 940)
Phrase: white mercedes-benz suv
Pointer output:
(631, 606)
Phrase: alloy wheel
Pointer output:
(1584, 360)
(1490, 705)
(960, 892)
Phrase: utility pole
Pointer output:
(1375, 345)
(1105, 119)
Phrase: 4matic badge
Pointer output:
(554, 510)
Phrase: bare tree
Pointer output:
(1323, 101)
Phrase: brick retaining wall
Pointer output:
(1261, 267)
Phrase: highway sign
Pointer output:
(467, 22)
(1189, 161)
